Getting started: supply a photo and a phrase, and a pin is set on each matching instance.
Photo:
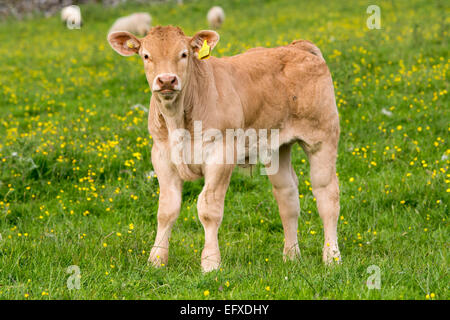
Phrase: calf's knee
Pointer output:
(166, 217)
(209, 210)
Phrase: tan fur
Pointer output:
(287, 88)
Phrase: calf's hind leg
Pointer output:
(285, 190)
(326, 191)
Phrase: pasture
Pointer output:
(77, 186)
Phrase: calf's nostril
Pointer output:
(167, 81)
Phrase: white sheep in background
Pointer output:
(71, 15)
(216, 16)
(137, 23)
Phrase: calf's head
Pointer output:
(168, 56)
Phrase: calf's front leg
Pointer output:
(169, 206)
(210, 211)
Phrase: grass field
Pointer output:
(77, 187)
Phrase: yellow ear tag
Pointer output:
(130, 44)
(205, 51)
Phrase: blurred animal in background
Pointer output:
(216, 17)
(137, 23)
(71, 16)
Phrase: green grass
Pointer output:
(68, 188)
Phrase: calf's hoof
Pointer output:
(331, 255)
(158, 257)
(210, 260)
(291, 253)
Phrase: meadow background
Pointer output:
(77, 186)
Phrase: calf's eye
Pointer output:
(184, 55)
(146, 56)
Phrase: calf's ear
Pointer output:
(199, 38)
(124, 43)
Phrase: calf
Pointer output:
(288, 89)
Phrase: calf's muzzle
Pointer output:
(166, 82)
